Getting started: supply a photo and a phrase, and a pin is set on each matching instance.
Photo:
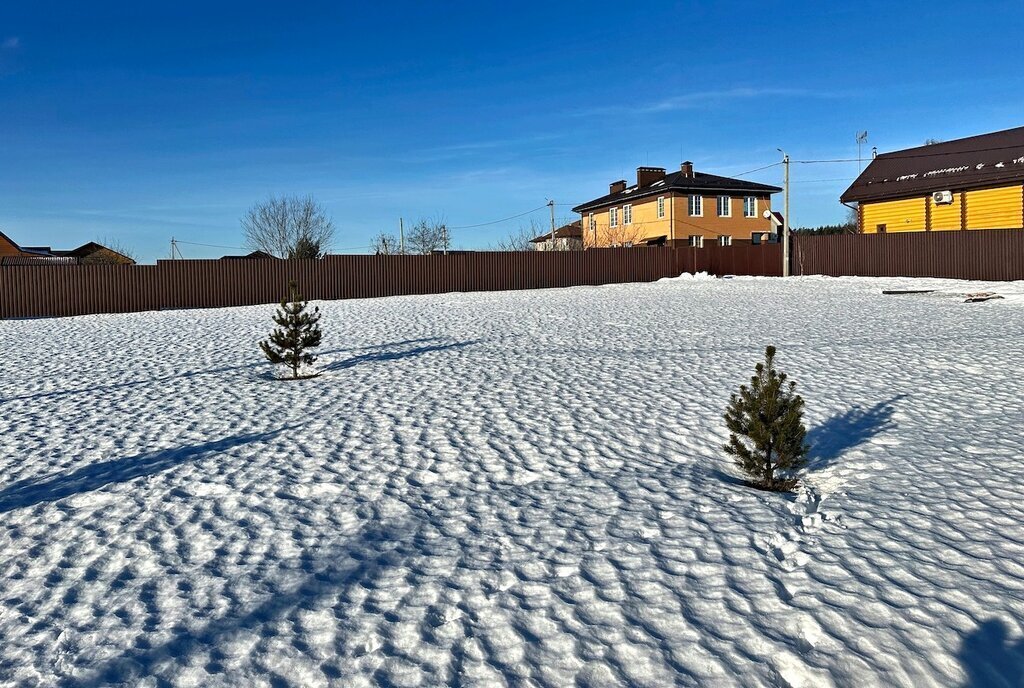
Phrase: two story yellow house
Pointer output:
(971, 183)
(678, 209)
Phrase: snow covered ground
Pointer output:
(520, 488)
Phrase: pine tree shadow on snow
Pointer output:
(93, 476)
(387, 355)
(844, 431)
(989, 659)
(97, 389)
(337, 570)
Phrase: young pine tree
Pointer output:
(297, 331)
(766, 430)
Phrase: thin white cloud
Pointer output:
(11, 43)
(707, 99)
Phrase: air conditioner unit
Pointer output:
(942, 197)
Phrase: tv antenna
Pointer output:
(862, 138)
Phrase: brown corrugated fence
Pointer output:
(28, 291)
(989, 254)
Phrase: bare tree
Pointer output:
(519, 239)
(289, 227)
(427, 236)
(385, 244)
(621, 235)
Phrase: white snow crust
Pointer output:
(519, 488)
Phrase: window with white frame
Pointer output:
(661, 207)
(627, 214)
(697, 241)
(749, 206)
(725, 240)
(723, 206)
(613, 217)
(592, 222)
(696, 206)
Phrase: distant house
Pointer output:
(255, 255)
(971, 183)
(567, 238)
(90, 253)
(677, 209)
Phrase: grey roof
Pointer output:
(675, 181)
(970, 163)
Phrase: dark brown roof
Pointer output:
(700, 182)
(970, 163)
(255, 255)
(569, 231)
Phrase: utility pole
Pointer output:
(551, 204)
(785, 213)
(444, 238)
(401, 237)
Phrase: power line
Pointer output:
(897, 156)
(246, 248)
(193, 243)
(504, 219)
(811, 181)
(743, 174)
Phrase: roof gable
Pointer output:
(7, 245)
(972, 162)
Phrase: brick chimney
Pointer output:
(687, 169)
(616, 187)
(645, 176)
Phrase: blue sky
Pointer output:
(138, 123)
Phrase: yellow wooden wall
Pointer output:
(906, 215)
(946, 216)
(1000, 208)
(995, 208)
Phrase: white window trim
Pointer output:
(592, 224)
(661, 207)
(696, 240)
(613, 217)
(728, 206)
(725, 240)
(753, 206)
(627, 214)
(699, 205)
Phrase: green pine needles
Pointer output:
(296, 332)
(766, 429)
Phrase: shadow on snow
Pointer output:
(395, 355)
(93, 476)
(96, 389)
(990, 659)
(844, 431)
(359, 561)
